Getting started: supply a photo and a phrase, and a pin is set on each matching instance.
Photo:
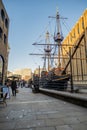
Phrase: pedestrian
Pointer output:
(5, 88)
(13, 87)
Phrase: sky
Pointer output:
(29, 23)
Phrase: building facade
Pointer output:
(4, 29)
(75, 50)
(25, 73)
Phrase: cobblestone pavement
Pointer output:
(29, 111)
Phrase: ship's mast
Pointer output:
(47, 50)
(58, 38)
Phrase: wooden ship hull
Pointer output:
(53, 81)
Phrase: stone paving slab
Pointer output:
(29, 111)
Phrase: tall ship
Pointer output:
(53, 77)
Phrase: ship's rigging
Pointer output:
(52, 51)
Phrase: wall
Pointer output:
(4, 28)
(79, 61)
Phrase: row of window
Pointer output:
(78, 27)
(3, 18)
(75, 32)
(1, 35)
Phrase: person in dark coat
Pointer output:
(13, 87)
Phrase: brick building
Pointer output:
(4, 27)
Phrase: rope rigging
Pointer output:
(49, 50)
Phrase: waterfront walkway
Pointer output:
(29, 111)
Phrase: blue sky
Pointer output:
(28, 21)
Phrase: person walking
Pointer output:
(13, 87)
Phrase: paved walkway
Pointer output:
(29, 111)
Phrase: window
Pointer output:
(82, 23)
(71, 37)
(6, 23)
(2, 15)
(1, 69)
(1, 32)
(74, 33)
(78, 28)
(5, 39)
